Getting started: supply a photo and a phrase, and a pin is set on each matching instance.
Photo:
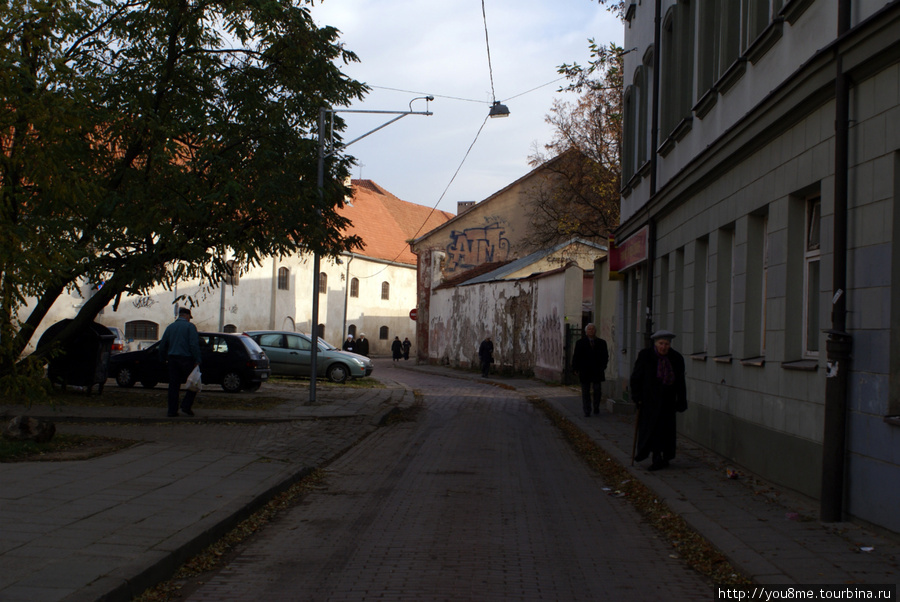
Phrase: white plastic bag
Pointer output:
(195, 380)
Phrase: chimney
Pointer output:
(463, 206)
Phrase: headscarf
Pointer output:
(664, 371)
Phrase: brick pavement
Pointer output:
(480, 499)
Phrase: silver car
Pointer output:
(290, 354)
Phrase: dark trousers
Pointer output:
(180, 368)
(485, 368)
(586, 398)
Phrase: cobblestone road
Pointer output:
(479, 499)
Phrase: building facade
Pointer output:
(761, 170)
(370, 291)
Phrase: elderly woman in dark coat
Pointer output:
(658, 388)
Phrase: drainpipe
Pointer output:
(654, 144)
(839, 341)
(346, 298)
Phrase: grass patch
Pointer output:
(689, 545)
(61, 447)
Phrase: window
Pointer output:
(385, 291)
(383, 333)
(298, 342)
(678, 65)
(321, 331)
(351, 330)
(232, 273)
(811, 260)
(284, 278)
(629, 141)
(231, 328)
(354, 287)
(701, 295)
(271, 339)
(141, 330)
(755, 290)
(755, 19)
(724, 290)
(323, 283)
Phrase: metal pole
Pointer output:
(314, 331)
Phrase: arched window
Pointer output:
(354, 287)
(385, 291)
(321, 330)
(141, 330)
(284, 278)
(383, 333)
(323, 283)
(351, 329)
(232, 275)
(630, 139)
(230, 328)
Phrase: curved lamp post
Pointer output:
(323, 112)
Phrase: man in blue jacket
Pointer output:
(180, 347)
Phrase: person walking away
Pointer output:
(348, 344)
(589, 362)
(397, 349)
(486, 356)
(180, 349)
(362, 345)
(406, 346)
(659, 389)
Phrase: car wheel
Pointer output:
(231, 382)
(125, 377)
(338, 373)
(253, 387)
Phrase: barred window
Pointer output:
(284, 278)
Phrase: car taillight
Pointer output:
(251, 364)
(117, 346)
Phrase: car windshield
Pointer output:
(325, 345)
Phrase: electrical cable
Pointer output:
(438, 202)
(488, 45)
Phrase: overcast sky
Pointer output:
(438, 47)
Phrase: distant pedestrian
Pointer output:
(397, 349)
(659, 389)
(486, 355)
(589, 363)
(348, 344)
(362, 345)
(406, 346)
(180, 349)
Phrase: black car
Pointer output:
(234, 361)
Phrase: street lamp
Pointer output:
(498, 110)
(323, 112)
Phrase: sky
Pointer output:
(413, 48)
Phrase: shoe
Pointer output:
(187, 411)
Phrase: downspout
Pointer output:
(346, 298)
(273, 294)
(839, 341)
(654, 144)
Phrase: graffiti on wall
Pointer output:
(143, 303)
(548, 339)
(474, 246)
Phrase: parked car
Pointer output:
(290, 355)
(232, 360)
(119, 344)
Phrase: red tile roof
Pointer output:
(386, 224)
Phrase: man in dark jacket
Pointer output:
(362, 345)
(486, 356)
(589, 363)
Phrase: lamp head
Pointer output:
(498, 110)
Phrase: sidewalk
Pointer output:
(110, 527)
(771, 535)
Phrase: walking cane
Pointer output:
(637, 420)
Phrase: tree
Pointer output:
(143, 140)
(581, 195)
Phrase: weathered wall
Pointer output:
(525, 318)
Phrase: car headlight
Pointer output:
(359, 363)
